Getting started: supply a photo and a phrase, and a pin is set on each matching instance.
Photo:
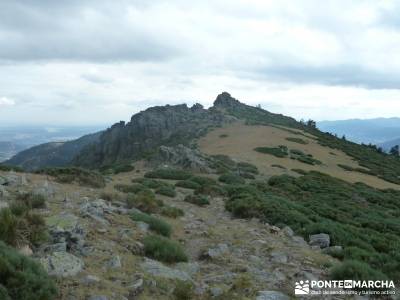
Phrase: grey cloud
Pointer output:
(340, 75)
(94, 78)
(96, 31)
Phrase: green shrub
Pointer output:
(122, 168)
(82, 176)
(163, 249)
(21, 278)
(8, 227)
(210, 190)
(166, 191)
(188, 184)
(297, 140)
(155, 224)
(308, 160)
(25, 228)
(203, 181)
(280, 151)
(278, 166)
(145, 201)
(299, 171)
(129, 188)
(183, 290)
(355, 270)
(231, 178)
(223, 135)
(345, 167)
(150, 183)
(296, 152)
(172, 212)
(247, 168)
(6, 168)
(168, 173)
(199, 200)
(32, 200)
(247, 175)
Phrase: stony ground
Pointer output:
(95, 250)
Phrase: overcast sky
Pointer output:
(98, 61)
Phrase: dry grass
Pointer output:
(242, 139)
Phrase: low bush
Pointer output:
(183, 290)
(296, 152)
(81, 176)
(199, 200)
(164, 249)
(280, 151)
(278, 166)
(201, 180)
(247, 175)
(299, 171)
(231, 178)
(168, 173)
(32, 200)
(22, 228)
(130, 188)
(247, 168)
(166, 191)
(210, 190)
(145, 201)
(223, 135)
(188, 184)
(345, 167)
(156, 224)
(150, 183)
(172, 212)
(297, 140)
(21, 278)
(122, 168)
(355, 270)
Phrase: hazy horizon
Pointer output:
(96, 62)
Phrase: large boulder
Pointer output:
(321, 240)
(62, 264)
(183, 157)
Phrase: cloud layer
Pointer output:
(63, 59)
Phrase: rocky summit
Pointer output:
(229, 202)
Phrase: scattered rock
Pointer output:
(274, 229)
(136, 288)
(95, 210)
(62, 264)
(114, 262)
(288, 231)
(142, 226)
(218, 251)
(216, 291)
(321, 240)
(271, 295)
(279, 257)
(157, 269)
(137, 248)
(25, 250)
(90, 280)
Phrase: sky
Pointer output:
(97, 61)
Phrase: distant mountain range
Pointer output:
(14, 139)
(383, 132)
